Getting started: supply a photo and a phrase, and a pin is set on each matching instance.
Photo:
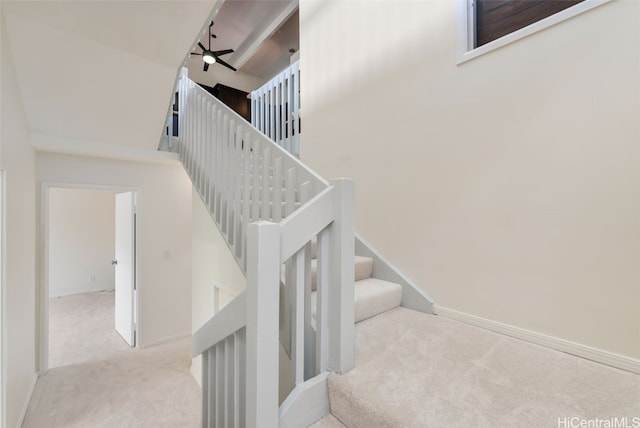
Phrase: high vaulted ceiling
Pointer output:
(262, 33)
(102, 72)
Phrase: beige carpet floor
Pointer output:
(418, 370)
(99, 382)
(82, 328)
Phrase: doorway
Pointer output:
(86, 310)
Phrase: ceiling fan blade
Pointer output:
(223, 52)
(202, 46)
(195, 53)
(225, 64)
(206, 66)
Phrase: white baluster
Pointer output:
(265, 212)
(205, 389)
(295, 149)
(237, 205)
(206, 192)
(212, 387)
(230, 382)
(219, 384)
(309, 344)
(255, 181)
(189, 136)
(241, 391)
(297, 345)
(290, 186)
(211, 161)
(322, 302)
(219, 164)
(246, 198)
(278, 106)
(277, 190)
(202, 118)
(274, 114)
(231, 181)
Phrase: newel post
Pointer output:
(263, 299)
(341, 278)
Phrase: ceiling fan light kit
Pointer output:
(211, 57)
(208, 57)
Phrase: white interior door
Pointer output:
(125, 266)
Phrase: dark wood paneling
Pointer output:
(497, 18)
(234, 98)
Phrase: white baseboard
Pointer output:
(25, 406)
(165, 340)
(577, 349)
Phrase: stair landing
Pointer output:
(419, 370)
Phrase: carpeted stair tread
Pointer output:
(363, 266)
(374, 296)
(419, 370)
(371, 297)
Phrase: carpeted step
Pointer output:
(372, 296)
(363, 266)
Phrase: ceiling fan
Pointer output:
(210, 57)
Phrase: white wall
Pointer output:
(111, 66)
(213, 264)
(164, 225)
(18, 305)
(81, 241)
(507, 187)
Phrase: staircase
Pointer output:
(309, 280)
(292, 235)
(372, 296)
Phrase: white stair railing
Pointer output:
(269, 207)
(275, 109)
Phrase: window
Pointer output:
(497, 18)
(485, 25)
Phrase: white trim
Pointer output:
(42, 292)
(50, 144)
(3, 281)
(25, 406)
(464, 18)
(573, 348)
